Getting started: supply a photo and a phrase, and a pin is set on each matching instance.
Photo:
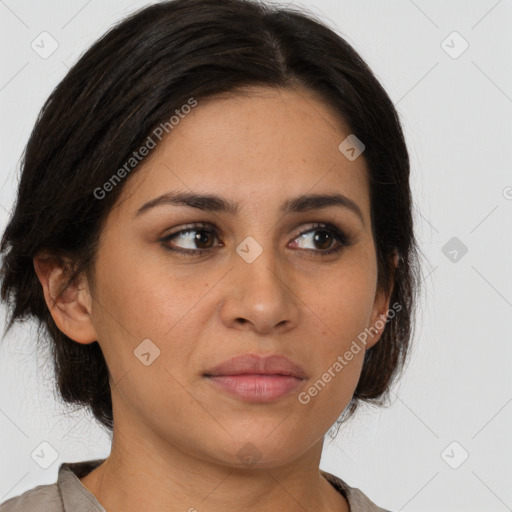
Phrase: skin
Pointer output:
(176, 437)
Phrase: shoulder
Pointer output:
(43, 498)
(67, 494)
(357, 500)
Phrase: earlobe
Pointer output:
(70, 308)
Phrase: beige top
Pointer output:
(68, 494)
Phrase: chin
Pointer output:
(259, 451)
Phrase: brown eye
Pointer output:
(192, 240)
(325, 240)
(196, 239)
(202, 238)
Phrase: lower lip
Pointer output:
(256, 388)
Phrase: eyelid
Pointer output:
(340, 234)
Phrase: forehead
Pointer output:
(262, 145)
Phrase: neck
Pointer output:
(144, 473)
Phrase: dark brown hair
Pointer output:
(130, 82)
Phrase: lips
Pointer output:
(253, 364)
(253, 378)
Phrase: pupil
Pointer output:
(326, 238)
(201, 237)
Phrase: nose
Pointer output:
(259, 294)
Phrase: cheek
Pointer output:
(342, 311)
(344, 304)
(139, 313)
(137, 301)
(141, 298)
(340, 351)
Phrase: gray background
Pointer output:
(455, 399)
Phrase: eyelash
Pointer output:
(337, 234)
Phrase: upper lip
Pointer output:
(274, 364)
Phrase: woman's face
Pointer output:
(256, 285)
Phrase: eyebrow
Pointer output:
(213, 203)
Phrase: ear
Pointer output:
(381, 308)
(70, 307)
